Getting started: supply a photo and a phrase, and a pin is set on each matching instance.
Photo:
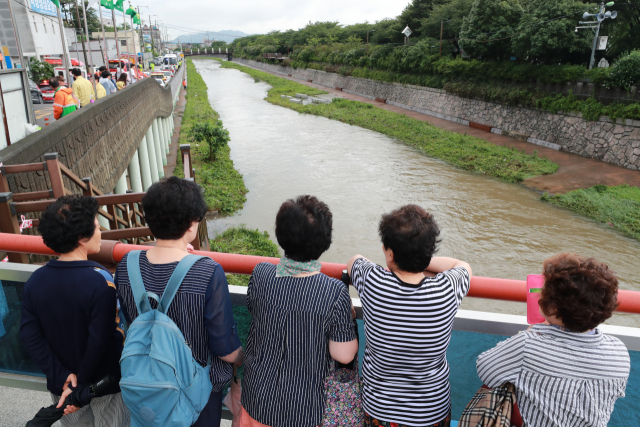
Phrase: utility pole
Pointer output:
(84, 48)
(28, 103)
(104, 42)
(115, 35)
(153, 47)
(441, 28)
(65, 47)
(86, 29)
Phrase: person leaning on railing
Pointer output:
(70, 323)
(300, 319)
(202, 308)
(566, 372)
(408, 315)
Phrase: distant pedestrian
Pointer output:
(61, 78)
(152, 65)
(107, 83)
(184, 84)
(82, 88)
(100, 90)
(64, 102)
(122, 81)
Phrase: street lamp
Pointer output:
(600, 17)
(442, 21)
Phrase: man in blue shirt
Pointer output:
(70, 324)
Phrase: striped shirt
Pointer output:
(201, 309)
(287, 354)
(408, 329)
(562, 379)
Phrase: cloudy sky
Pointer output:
(262, 16)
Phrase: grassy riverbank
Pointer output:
(223, 185)
(618, 206)
(466, 152)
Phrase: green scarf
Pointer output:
(289, 267)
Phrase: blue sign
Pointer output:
(46, 7)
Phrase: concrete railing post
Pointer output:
(162, 128)
(135, 178)
(151, 148)
(157, 144)
(121, 188)
(167, 128)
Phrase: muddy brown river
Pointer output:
(503, 230)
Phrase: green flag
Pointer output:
(56, 2)
(131, 12)
(107, 4)
(119, 5)
(136, 20)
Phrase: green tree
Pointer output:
(542, 39)
(625, 72)
(454, 11)
(214, 135)
(412, 16)
(40, 70)
(486, 32)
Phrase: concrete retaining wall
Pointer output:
(616, 142)
(97, 141)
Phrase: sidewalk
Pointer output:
(175, 138)
(574, 171)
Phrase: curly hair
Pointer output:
(581, 292)
(412, 234)
(303, 228)
(171, 205)
(67, 221)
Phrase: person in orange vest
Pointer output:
(184, 84)
(64, 101)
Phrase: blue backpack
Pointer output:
(162, 384)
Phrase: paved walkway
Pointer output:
(574, 171)
(175, 138)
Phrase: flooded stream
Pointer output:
(503, 230)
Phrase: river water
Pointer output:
(503, 230)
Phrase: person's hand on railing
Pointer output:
(190, 247)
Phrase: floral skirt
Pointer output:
(370, 421)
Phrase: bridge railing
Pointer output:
(481, 287)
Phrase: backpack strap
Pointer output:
(175, 281)
(137, 287)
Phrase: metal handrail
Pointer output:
(481, 287)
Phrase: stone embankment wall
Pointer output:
(616, 142)
(97, 141)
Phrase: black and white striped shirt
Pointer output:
(201, 310)
(408, 329)
(562, 379)
(287, 354)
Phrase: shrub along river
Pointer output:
(503, 230)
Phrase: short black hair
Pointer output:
(105, 74)
(171, 205)
(54, 82)
(76, 72)
(412, 234)
(67, 221)
(103, 68)
(303, 228)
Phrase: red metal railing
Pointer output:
(481, 287)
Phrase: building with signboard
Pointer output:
(37, 26)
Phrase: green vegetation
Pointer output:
(39, 70)
(224, 188)
(214, 135)
(240, 240)
(465, 152)
(617, 206)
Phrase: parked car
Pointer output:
(48, 93)
(36, 93)
(167, 74)
(160, 77)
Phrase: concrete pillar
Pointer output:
(135, 178)
(159, 150)
(151, 148)
(104, 222)
(145, 165)
(163, 139)
(168, 132)
(121, 188)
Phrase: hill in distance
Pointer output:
(224, 35)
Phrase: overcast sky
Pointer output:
(262, 16)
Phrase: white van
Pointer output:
(169, 60)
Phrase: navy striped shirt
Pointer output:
(408, 329)
(201, 309)
(287, 354)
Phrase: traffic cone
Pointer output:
(46, 121)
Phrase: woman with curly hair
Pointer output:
(70, 323)
(566, 372)
(301, 319)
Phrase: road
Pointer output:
(42, 112)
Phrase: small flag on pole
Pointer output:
(107, 4)
(119, 5)
(131, 12)
(56, 2)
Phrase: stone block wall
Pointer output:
(616, 142)
(97, 141)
